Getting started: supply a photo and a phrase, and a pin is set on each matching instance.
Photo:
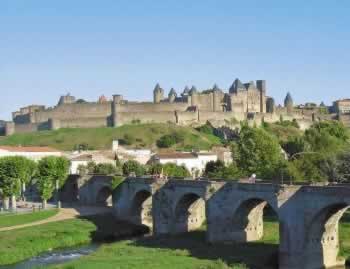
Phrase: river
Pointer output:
(54, 257)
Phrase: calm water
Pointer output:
(54, 257)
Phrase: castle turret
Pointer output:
(158, 94)
(172, 95)
(288, 103)
(117, 100)
(270, 105)
(217, 98)
(261, 86)
(237, 86)
(66, 99)
(194, 96)
(186, 91)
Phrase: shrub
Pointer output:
(127, 140)
(105, 169)
(166, 141)
(133, 167)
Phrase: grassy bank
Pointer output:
(142, 136)
(25, 243)
(9, 220)
(188, 251)
(181, 251)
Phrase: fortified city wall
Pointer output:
(246, 101)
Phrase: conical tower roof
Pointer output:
(172, 92)
(288, 100)
(193, 90)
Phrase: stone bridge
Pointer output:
(308, 216)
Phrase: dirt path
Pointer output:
(63, 214)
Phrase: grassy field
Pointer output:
(143, 136)
(181, 251)
(21, 244)
(18, 219)
(18, 245)
(188, 251)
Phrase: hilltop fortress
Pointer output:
(242, 101)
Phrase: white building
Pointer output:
(140, 155)
(33, 153)
(83, 158)
(194, 162)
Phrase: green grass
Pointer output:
(145, 136)
(18, 245)
(9, 220)
(181, 251)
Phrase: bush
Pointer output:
(127, 140)
(206, 129)
(105, 169)
(173, 170)
(166, 141)
(133, 167)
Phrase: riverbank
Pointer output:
(22, 244)
(181, 251)
(190, 251)
(185, 251)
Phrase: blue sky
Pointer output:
(90, 48)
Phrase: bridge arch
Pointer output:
(189, 213)
(321, 246)
(248, 219)
(104, 196)
(141, 208)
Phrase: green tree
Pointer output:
(258, 152)
(105, 169)
(10, 178)
(294, 145)
(51, 171)
(218, 169)
(173, 170)
(133, 167)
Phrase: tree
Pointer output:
(327, 137)
(52, 172)
(133, 167)
(173, 170)
(26, 169)
(218, 169)
(343, 167)
(105, 169)
(258, 152)
(10, 179)
(294, 145)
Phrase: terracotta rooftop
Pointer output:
(28, 149)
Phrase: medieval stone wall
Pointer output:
(73, 111)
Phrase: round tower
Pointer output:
(194, 96)
(172, 95)
(158, 94)
(288, 103)
(270, 105)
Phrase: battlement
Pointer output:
(242, 101)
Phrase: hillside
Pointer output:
(140, 136)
